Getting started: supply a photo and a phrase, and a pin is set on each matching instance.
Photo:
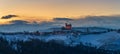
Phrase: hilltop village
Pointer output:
(75, 31)
(66, 29)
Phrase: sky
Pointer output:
(59, 8)
(34, 11)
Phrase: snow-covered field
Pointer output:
(109, 40)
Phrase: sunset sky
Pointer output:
(37, 10)
(16, 14)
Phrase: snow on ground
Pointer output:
(100, 40)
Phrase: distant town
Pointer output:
(66, 29)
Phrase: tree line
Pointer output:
(35, 46)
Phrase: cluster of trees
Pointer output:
(35, 46)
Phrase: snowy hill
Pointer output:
(108, 40)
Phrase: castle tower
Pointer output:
(68, 26)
